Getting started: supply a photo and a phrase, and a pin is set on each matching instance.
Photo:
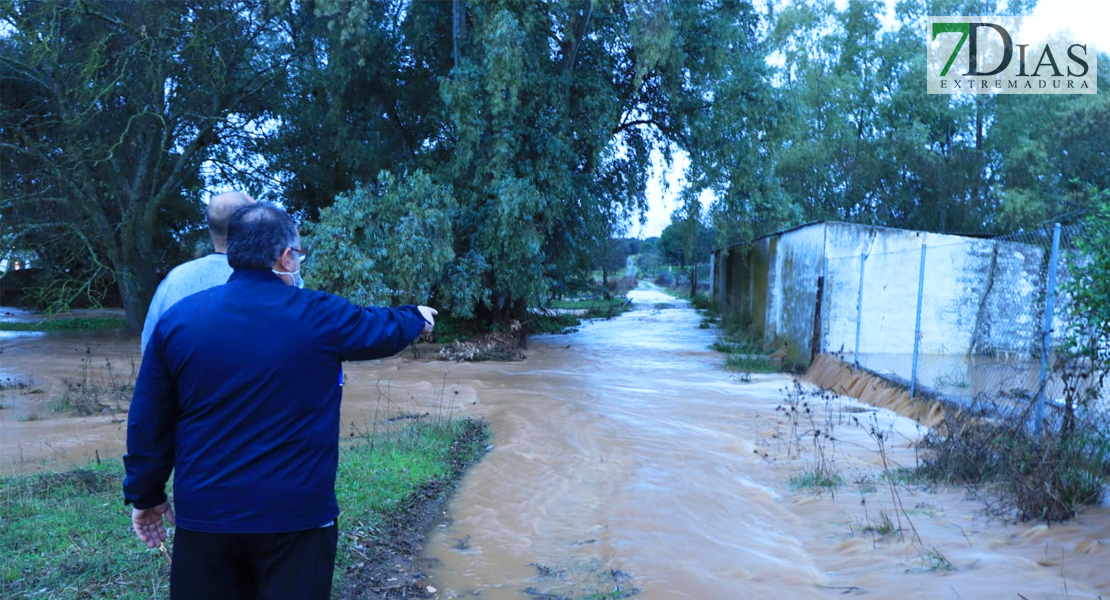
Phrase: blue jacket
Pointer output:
(239, 394)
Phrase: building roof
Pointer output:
(812, 223)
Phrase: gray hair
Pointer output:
(257, 235)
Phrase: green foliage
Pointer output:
(389, 245)
(553, 323)
(66, 324)
(1090, 288)
(110, 109)
(1037, 478)
(533, 128)
(540, 119)
(702, 302)
(864, 143)
(1083, 363)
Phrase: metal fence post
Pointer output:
(859, 308)
(917, 326)
(1046, 343)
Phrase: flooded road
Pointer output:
(626, 450)
(626, 446)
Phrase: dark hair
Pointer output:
(257, 235)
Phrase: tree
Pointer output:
(864, 142)
(540, 120)
(110, 109)
(1083, 362)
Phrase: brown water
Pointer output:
(626, 446)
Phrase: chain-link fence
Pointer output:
(977, 320)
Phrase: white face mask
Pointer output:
(295, 276)
(298, 281)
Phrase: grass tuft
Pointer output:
(817, 480)
(66, 324)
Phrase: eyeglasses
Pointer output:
(299, 254)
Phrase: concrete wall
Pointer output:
(980, 296)
(795, 266)
(891, 276)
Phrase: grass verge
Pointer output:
(743, 351)
(67, 535)
(66, 324)
(747, 363)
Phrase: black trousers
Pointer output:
(296, 565)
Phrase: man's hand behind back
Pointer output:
(148, 525)
(429, 314)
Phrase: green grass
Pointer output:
(746, 363)
(811, 479)
(68, 535)
(66, 324)
(451, 329)
(743, 351)
(376, 475)
(884, 526)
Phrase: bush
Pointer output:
(1036, 478)
(701, 302)
(393, 244)
(620, 287)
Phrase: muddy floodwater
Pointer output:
(625, 455)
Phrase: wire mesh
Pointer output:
(975, 311)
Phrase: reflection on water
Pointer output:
(15, 335)
(965, 378)
(626, 446)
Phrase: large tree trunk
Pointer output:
(136, 287)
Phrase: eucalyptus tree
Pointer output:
(109, 110)
(866, 143)
(539, 119)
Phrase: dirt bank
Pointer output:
(388, 567)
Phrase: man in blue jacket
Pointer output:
(238, 395)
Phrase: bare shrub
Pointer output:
(1049, 477)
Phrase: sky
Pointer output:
(1087, 20)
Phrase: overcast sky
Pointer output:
(1087, 20)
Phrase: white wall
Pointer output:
(978, 294)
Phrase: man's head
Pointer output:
(220, 209)
(261, 236)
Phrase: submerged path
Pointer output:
(627, 446)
